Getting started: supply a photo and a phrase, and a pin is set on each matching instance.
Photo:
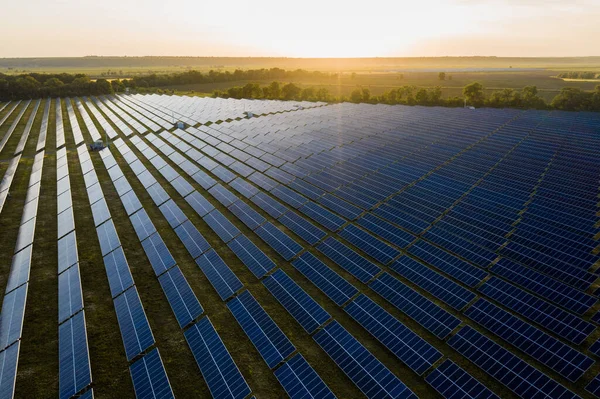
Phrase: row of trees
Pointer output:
(569, 99)
(579, 75)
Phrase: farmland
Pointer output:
(295, 234)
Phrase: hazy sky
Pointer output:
(305, 28)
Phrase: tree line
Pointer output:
(35, 85)
(569, 99)
(579, 75)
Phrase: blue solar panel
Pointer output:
(204, 180)
(221, 225)
(279, 241)
(310, 191)
(246, 214)
(508, 369)
(194, 242)
(223, 173)
(300, 381)
(73, 357)
(158, 254)
(19, 269)
(70, 300)
(411, 349)
(224, 281)
(296, 301)
(221, 374)
(150, 380)
(262, 181)
(251, 256)
(9, 359)
(117, 270)
(168, 173)
(100, 212)
(182, 186)
(415, 305)
(131, 202)
(322, 216)
(135, 330)
(368, 373)
(552, 317)
(349, 260)
(449, 264)
(370, 245)
(67, 252)
(340, 207)
(269, 340)
(328, 281)
(594, 386)
(158, 194)
(563, 359)
(386, 230)
(222, 195)
(182, 299)
(302, 227)
(453, 382)
(200, 204)
(436, 284)
(142, 224)
(13, 312)
(243, 187)
(289, 196)
(172, 213)
(269, 205)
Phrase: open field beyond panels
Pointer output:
(305, 251)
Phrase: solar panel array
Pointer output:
(412, 221)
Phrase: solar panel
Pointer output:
(222, 195)
(328, 281)
(563, 359)
(453, 382)
(308, 313)
(135, 330)
(243, 187)
(204, 180)
(67, 252)
(594, 386)
(439, 286)
(131, 202)
(269, 340)
(73, 357)
(221, 225)
(158, 194)
(251, 256)
(168, 173)
(246, 214)
(70, 300)
(194, 242)
(182, 186)
(449, 264)
(200, 204)
(422, 310)
(508, 369)
(340, 207)
(363, 369)
(386, 230)
(146, 179)
(224, 281)
(279, 241)
(302, 227)
(322, 216)
(411, 349)
(149, 377)
(289, 196)
(349, 260)
(142, 224)
(19, 269)
(269, 205)
(221, 374)
(551, 317)
(370, 245)
(100, 212)
(25, 236)
(158, 254)
(182, 299)
(13, 312)
(262, 181)
(301, 381)
(9, 358)
(172, 213)
(117, 270)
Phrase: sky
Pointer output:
(308, 28)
